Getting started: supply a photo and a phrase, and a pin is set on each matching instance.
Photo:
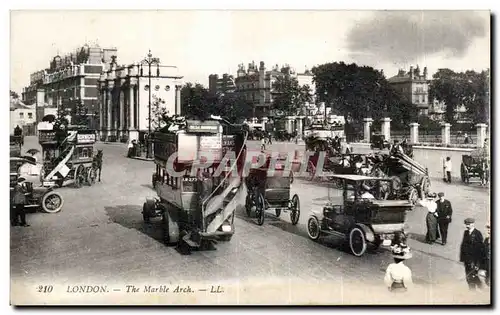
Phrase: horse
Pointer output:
(97, 163)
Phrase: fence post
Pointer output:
(367, 127)
(481, 134)
(386, 128)
(414, 133)
(445, 133)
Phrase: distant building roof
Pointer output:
(17, 104)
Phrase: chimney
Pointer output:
(411, 72)
(425, 73)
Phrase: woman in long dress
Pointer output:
(431, 219)
(398, 277)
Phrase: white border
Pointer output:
(186, 4)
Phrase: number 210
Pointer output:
(45, 288)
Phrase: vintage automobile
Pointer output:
(266, 192)
(378, 141)
(38, 197)
(360, 216)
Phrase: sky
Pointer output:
(200, 43)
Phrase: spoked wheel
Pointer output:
(260, 209)
(91, 176)
(79, 176)
(357, 242)
(413, 196)
(425, 187)
(52, 202)
(148, 209)
(313, 228)
(295, 209)
(249, 203)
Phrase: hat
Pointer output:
(21, 179)
(431, 195)
(469, 221)
(441, 194)
(401, 251)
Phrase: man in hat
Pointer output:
(447, 166)
(431, 219)
(444, 213)
(18, 202)
(398, 275)
(472, 253)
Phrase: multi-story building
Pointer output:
(21, 115)
(414, 87)
(125, 95)
(69, 80)
(218, 85)
(257, 84)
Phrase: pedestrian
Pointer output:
(447, 169)
(130, 148)
(270, 140)
(444, 212)
(18, 202)
(431, 219)
(485, 272)
(472, 254)
(398, 276)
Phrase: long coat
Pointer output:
(444, 210)
(472, 248)
(19, 197)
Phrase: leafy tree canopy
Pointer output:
(290, 97)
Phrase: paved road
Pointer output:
(99, 238)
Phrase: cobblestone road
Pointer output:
(99, 237)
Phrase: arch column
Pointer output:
(109, 107)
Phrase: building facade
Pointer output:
(219, 85)
(256, 84)
(22, 115)
(69, 80)
(125, 94)
(414, 87)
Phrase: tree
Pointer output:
(80, 114)
(355, 92)
(14, 95)
(289, 97)
(232, 106)
(469, 88)
(195, 101)
(159, 114)
(82, 56)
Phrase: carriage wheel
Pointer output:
(313, 228)
(92, 175)
(79, 176)
(259, 209)
(295, 207)
(148, 209)
(413, 196)
(357, 242)
(425, 187)
(249, 203)
(464, 173)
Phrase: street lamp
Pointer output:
(149, 60)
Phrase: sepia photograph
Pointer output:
(250, 157)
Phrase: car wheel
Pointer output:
(357, 242)
(313, 228)
(52, 202)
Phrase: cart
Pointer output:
(410, 180)
(266, 192)
(474, 165)
(68, 161)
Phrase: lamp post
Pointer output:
(149, 60)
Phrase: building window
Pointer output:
(21, 115)
(30, 115)
(93, 69)
(91, 81)
(90, 91)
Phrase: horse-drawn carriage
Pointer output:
(70, 160)
(475, 165)
(270, 190)
(410, 180)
